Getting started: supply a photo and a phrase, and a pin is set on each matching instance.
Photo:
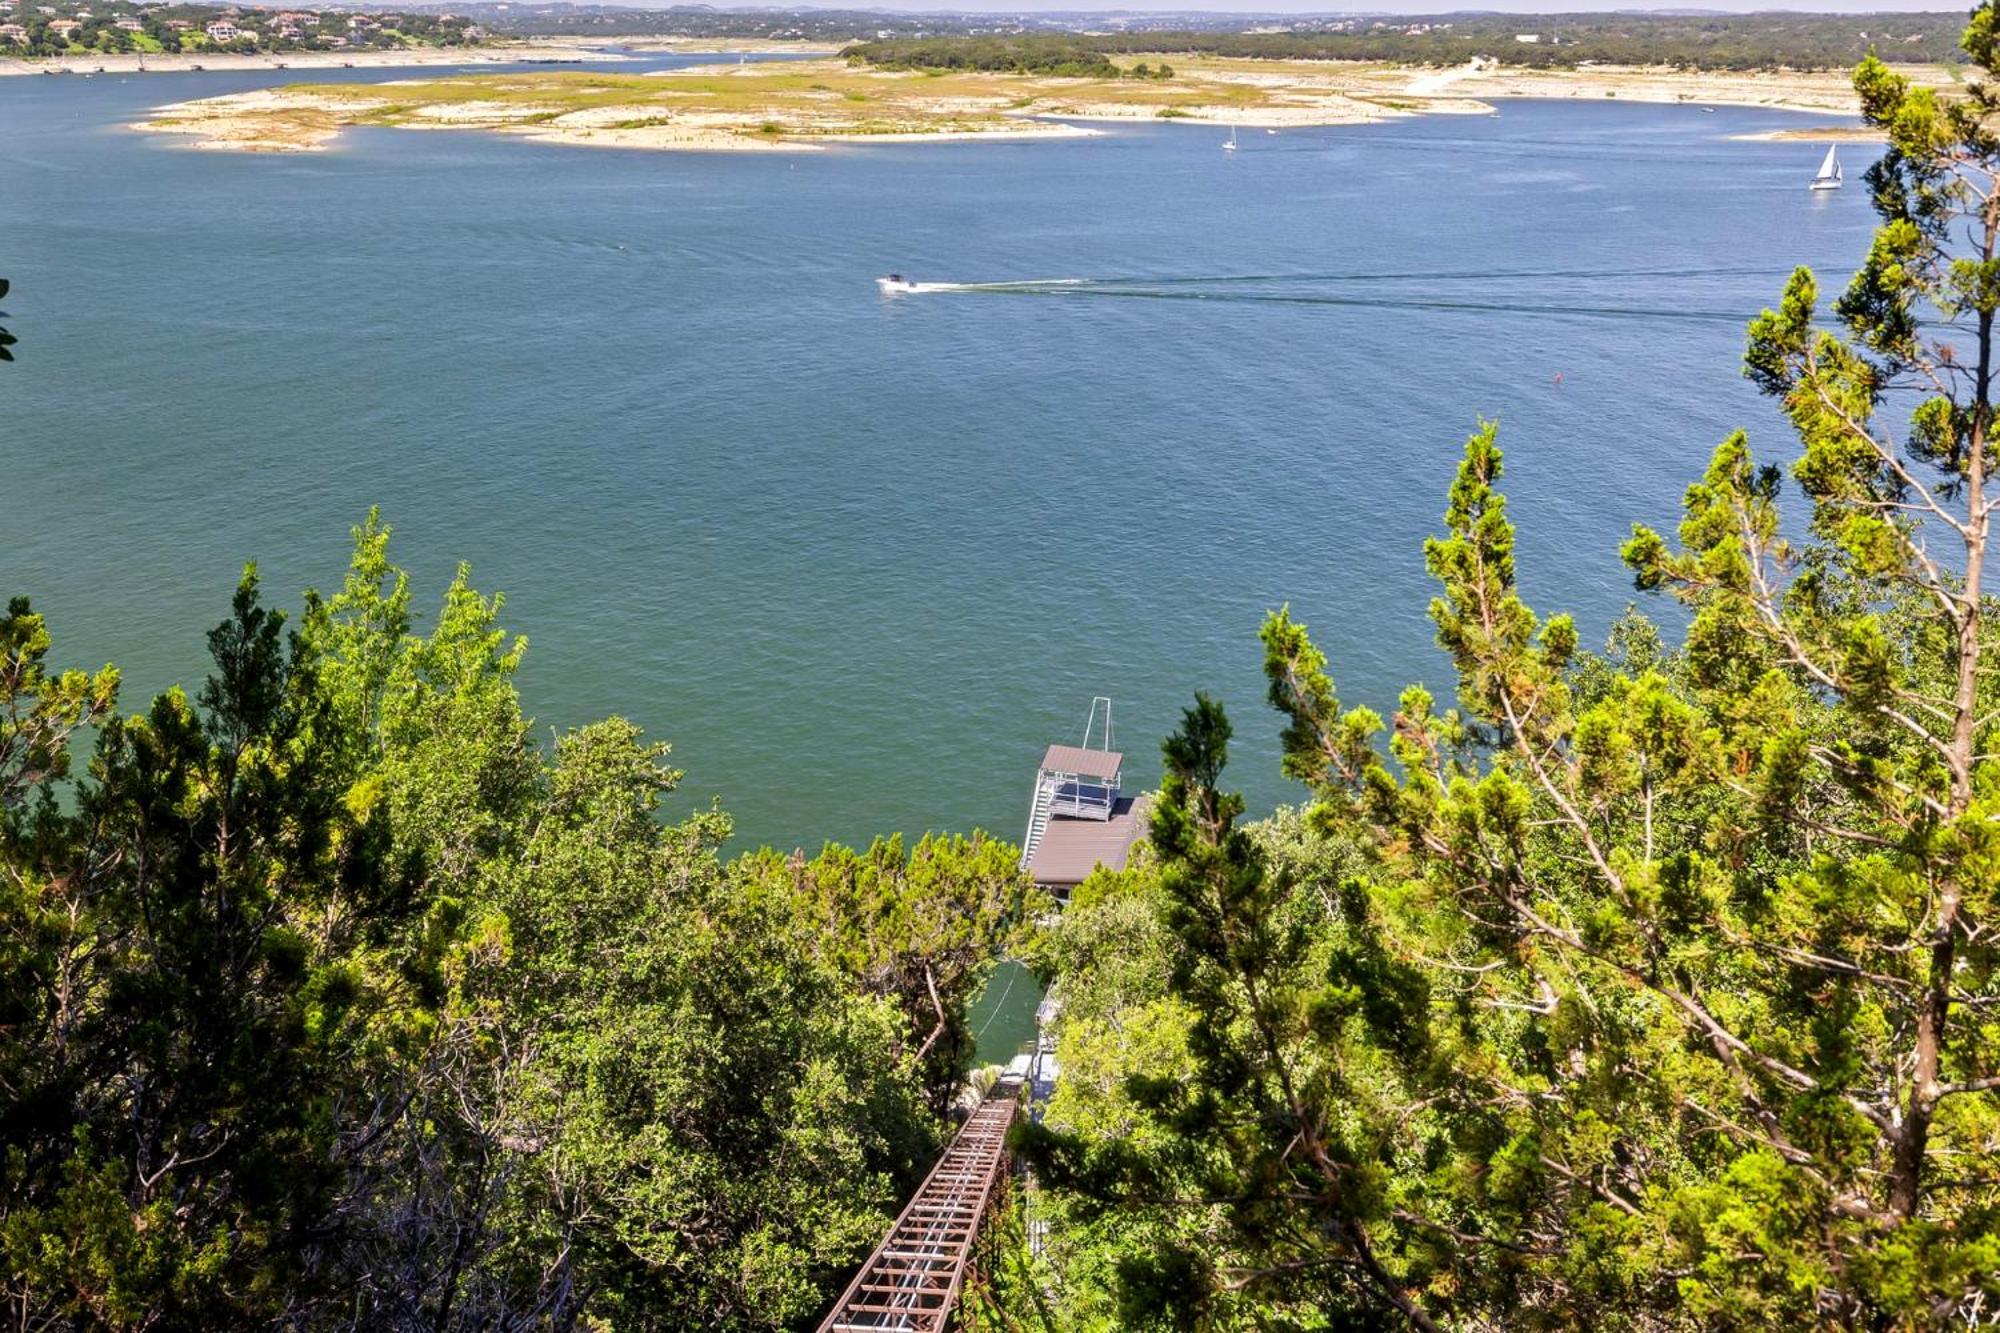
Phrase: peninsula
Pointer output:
(807, 104)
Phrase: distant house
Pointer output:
(179, 25)
(64, 27)
(222, 30)
(361, 23)
(13, 32)
(130, 25)
(291, 32)
(1530, 38)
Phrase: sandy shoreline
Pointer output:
(1822, 93)
(813, 104)
(1816, 134)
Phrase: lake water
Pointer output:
(861, 558)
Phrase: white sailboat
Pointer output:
(1829, 170)
(1230, 145)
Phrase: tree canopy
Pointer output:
(1650, 988)
(331, 1000)
(1683, 40)
(1645, 988)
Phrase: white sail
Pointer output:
(1829, 170)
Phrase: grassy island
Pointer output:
(807, 104)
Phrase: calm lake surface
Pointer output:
(860, 558)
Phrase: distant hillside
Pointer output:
(1705, 41)
(32, 28)
(564, 20)
(1688, 38)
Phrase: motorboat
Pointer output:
(895, 285)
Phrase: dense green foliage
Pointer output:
(1650, 989)
(923, 929)
(1654, 988)
(1707, 41)
(1056, 56)
(327, 999)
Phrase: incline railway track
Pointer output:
(912, 1282)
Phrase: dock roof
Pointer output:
(1071, 848)
(1084, 763)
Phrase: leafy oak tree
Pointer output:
(632, 1096)
(923, 927)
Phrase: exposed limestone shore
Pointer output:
(809, 104)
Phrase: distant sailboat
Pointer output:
(1829, 170)
(1230, 145)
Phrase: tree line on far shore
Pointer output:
(1704, 42)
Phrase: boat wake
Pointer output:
(1023, 284)
(1458, 290)
(1386, 301)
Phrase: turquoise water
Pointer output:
(859, 558)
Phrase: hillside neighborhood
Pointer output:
(33, 28)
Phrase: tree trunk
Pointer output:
(1913, 1135)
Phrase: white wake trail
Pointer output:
(1022, 284)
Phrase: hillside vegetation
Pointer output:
(1646, 989)
(1723, 42)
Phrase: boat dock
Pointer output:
(1081, 818)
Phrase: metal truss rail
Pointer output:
(912, 1282)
